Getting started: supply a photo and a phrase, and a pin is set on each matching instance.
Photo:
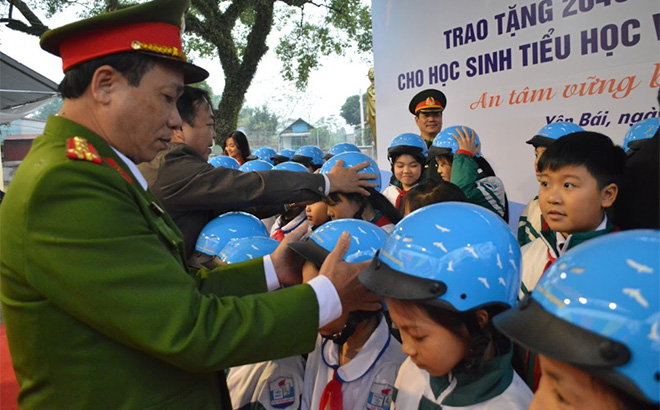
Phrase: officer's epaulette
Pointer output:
(79, 148)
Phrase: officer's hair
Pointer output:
(190, 101)
(131, 65)
(594, 151)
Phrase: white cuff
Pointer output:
(328, 298)
(272, 282)
(327, 185)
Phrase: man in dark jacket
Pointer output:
(194, 192)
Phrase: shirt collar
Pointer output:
(365, 360)
(562, 243)
(134, 169)
(492, 379)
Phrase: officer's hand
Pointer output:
(348, 180)
(288, 264)
(344, 276)
(467, 140)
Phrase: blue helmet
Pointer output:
(224, 161)
(282, 156)
(350, 160)
(309, 156)
(290, 166)
(549, 133)
(411, 144)
(605, 295)
(340, 149)
(445, 143)
(255, 165)
(263, 153)
(642, 130)
(458, 256)
(244, 249)
(223, 228)
(366, 240)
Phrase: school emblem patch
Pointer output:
(380, 397)
(282, 392)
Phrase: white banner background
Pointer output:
(593, 62)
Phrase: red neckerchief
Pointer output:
(399, 199)
(332, 397)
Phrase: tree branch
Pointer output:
(35, 28)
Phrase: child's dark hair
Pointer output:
(428, 194)
(377, 201)
(594, 151)
(417, 156)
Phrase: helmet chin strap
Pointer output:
(354, 319)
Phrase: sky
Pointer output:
(328, 88)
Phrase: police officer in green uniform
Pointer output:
(100, 309)
(427, 107)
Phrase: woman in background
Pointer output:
(237, 146)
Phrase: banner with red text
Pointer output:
(509, 67)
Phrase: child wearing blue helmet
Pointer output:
(407, 156)
(593, 319)
(356, 359)
(374, 208)
(294, 214)
(457, 151)
(445, 271)
(531, 220)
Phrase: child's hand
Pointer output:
(467, 140)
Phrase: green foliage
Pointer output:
(346, 24)
(350, 111)
(236, 31)
(260, 126)
(327, 132)
(53, 107)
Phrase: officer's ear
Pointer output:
(104, 82)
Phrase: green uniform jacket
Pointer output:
(99, 309)
(483, 191)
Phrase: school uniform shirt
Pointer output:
(538, 255)
(483, 191)
(530, 222)
(498, 387)
(396, 195)
(279, 231)
(367, 380)
(272, 385)
(382, 221)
